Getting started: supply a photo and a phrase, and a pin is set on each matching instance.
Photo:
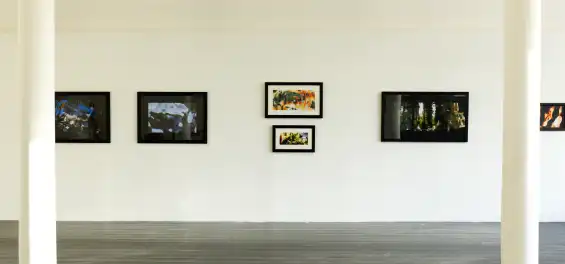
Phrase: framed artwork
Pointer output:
(425, 116)
(294, 99)
(294, 138)
(82, 117)
(172, 117)
(551, 117)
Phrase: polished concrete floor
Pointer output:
(278, 243)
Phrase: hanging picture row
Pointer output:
(182, 117)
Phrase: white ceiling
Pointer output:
(265, 14)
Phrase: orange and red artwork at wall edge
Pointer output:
(551, 117)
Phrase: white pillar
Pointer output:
(521, 169)
(36, 44)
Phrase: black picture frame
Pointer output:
(194, 120)
(269, 113)
(558, 111)
(73, 114)
(401, 134)
(276, 138)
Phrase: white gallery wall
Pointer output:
(358, 48)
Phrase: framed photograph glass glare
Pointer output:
(551, 117)
(425, 116)
(172, 117)
(294, 138)
(82, 117)
(294, 100)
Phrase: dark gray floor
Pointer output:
(253, 243)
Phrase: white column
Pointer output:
(36, 44)
(521, 169)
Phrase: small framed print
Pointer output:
(82, 117)
(294, 138)
(551, 117)
(172, 117)
(294, 99)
